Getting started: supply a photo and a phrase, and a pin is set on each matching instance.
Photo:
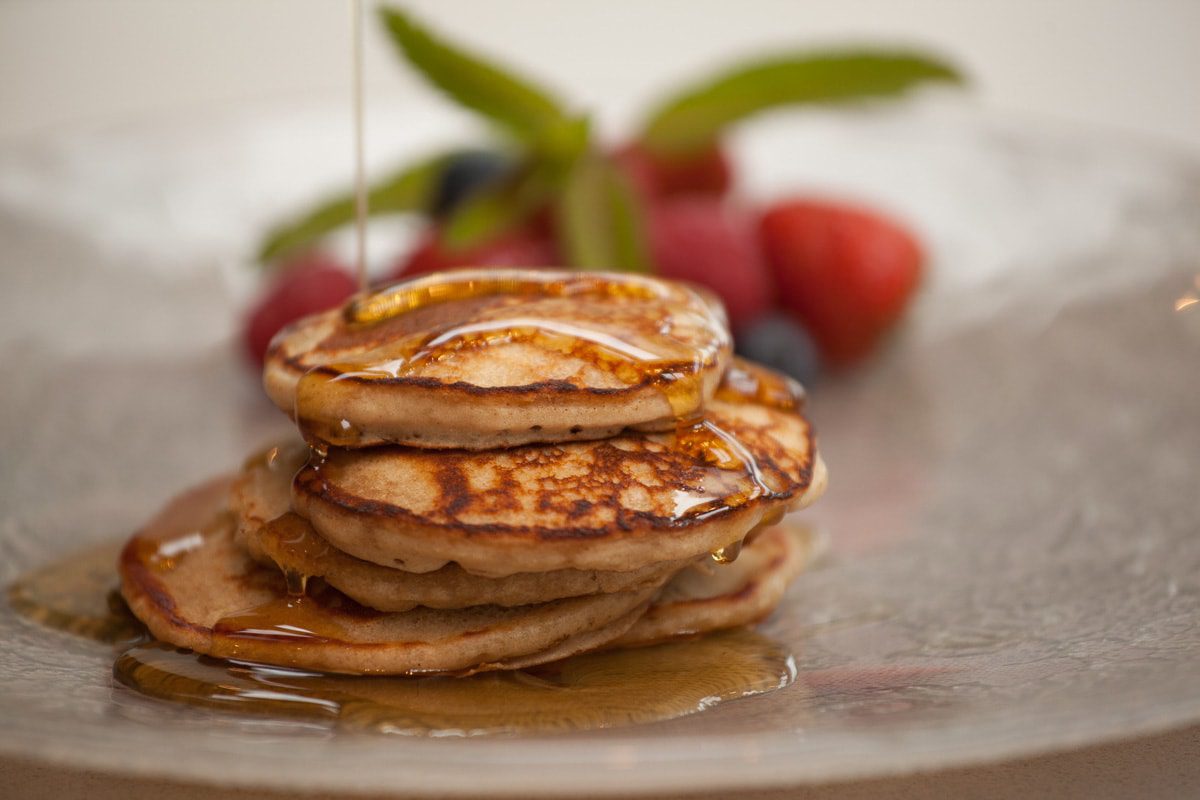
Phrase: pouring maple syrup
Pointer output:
(360, 172)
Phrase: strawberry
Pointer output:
(707, 172)
(705, 241)
(846, 273)
(305, 285)
(526, 247)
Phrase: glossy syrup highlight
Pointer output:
(596, 690)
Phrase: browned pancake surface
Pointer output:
(616, 504)
(261, 502)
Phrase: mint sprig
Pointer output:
(524, 110)
(600, 224)
(411, 189)
(599, 218)
(695, 118)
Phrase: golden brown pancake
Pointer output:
(484, 358)
(261, 503)
(188, 581)
(611, 505)
(707, 597)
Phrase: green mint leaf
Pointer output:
(600, 220)
(695, 118)
(410, 190)
(524, 110)
(501, 207)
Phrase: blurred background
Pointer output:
(1112, 63)
(147, 146)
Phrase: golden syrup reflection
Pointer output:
(709, 444)
(747, 382)
(596, 690)
(1190, 299)
(303, 615)
(401, 298)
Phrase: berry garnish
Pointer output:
(309, 283)
(526, 247)
(706, 241)
(779, 342)
(846, 273)
(706, 172)
(464, 174)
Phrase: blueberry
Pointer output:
(465, 174)
(777, 341)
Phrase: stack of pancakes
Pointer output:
(497, 468)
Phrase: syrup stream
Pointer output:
(360, 176)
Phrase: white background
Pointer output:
(1130, 66)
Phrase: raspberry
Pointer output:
(708, 172)
(526, 247)
(703, 240)
(305, 285)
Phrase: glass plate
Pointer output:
(1015, 562)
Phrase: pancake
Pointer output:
(710, 597)
(261, 503)
(484, 358)
(188, 581)
(611, 505)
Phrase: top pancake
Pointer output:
(485, 358)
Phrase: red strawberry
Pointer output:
(526, 247)
(848, 274)
(305, 285)
(708, 172)
(705, 241)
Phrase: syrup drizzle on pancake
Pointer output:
(300, 617)
(573, 314)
